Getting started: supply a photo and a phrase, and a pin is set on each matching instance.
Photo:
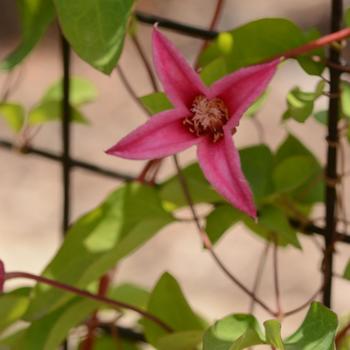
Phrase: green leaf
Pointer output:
(345, 98)
(254, 108)
(313, 190)
(129, 217)
(306, 61)
(346, 274)
(49, 111)
(220, 219)
(233, 332)
(188, 340)
(275, 221)
(294, 172)
(36, 16)
(213, 71)
(109, 343)
(11, 342)
(301, 104)
(81, 91)
(317, 331)
(156, 102)
(345, 343)
(273, 334)
(13, 305)
(95, 29)
(168, 303)
(131, 294)
(255, 42)
(347, 17)
(171, 190)
(257, 165)
(322, 117)
(13, 114)
(48, 332)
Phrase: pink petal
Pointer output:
(160, 136)
(240, 89)
(181, 83)
(221, 166)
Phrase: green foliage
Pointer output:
(346, 273)
(306, 61)
(95, 29)
(129, 217)
(48, 332)
(168, 303)
(322, 117)
(293, 172)
(13, 114)
(35, 16)
(345, 99)
(48, 111)
(301, 104)
(317, 331)
(82, 91)
(257, 165)
(221, 219)
(109, 343)
(240, 331)
(187, 340)
(10, 342)
(213, 71)
(347, 17)
(156, 102)
(274, 225)
(254, 108)
(273, 334)
(50, 106)
(312, 191)
(259, 40)
(233, 332)
(172, 194)
(13, 305)
(131, 294)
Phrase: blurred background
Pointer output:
(30, 187)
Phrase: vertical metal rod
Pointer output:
(65, 133)
(331, 167)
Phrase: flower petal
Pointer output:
(181, 83)
(240, 89)
(160, 136)
(221, 166)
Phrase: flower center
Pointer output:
(209, 117)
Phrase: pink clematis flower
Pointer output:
(203, 116)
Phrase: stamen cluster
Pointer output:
(209, 117)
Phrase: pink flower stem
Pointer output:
(276, 281)
(213, 23)
(208, 245)
(88, 295)
(259, 273)
(147, 65)
(304, 305)
(341, 335)
(93, 322)
(315, 44)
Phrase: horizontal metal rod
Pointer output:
(74, 162)
(179, 27)
(309, 228)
